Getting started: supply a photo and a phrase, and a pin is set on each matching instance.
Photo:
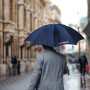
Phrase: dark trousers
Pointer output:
(82, 71)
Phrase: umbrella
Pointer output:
(54, 35)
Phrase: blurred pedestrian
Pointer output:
(14, 63)
(50, 66)
(18, 67)
(9, 66)
(82, 62)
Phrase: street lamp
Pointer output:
(79, 49)
(78, 28)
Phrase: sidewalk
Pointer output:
(21, 82)
(7, 77)
(88, 82)
(76, 82)
(72, 82)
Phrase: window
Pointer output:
(21, 51)
(31, 22)
(24, 17)
(17, 16)
(7, 50)
(27, 53)
(11, 10)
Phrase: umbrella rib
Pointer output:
(38, 35)
(71, 36)
(54, 36)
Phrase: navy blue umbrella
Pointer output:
(54, 35)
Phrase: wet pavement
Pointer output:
(21, 82)
(72, 82)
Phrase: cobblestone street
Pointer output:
(21, 82)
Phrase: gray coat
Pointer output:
(48, 73)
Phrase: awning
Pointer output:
(87, 30)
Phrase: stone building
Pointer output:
(18, 18)
(87, 31)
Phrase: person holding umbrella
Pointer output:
(50, 66)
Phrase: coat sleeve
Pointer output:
(35, 78)
(66, 69)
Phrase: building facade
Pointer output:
(18, 18)
(87, 31)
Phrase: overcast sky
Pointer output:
(70, 8)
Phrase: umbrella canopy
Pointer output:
(54, 35)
